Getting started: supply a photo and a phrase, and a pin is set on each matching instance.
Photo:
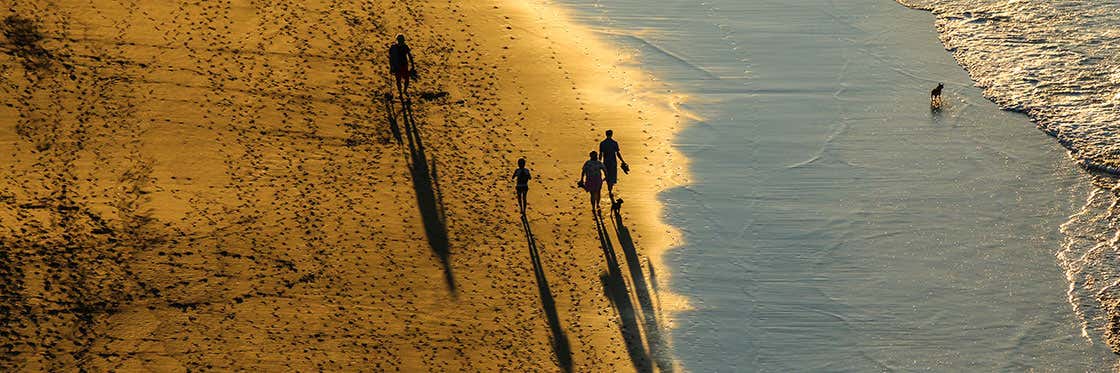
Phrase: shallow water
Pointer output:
(1059, 62)
(834, 222)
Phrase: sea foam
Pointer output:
(1059, 63)
(1056, 61)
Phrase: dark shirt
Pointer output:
(522, 175)
(609, 150)
(593, 168)
(398, 57)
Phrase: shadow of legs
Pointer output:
(614, 286)
(392, 118)
(560, 343)
(644, 295)
(424, 182)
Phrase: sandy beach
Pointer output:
(232, 185)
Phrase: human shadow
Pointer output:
(428, 199)
(614, 287)
(560, 344)
(644, 294)
(652, 278)
(391, 116)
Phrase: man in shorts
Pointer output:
(401, 64)
(610, 155)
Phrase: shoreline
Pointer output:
(832, 211)
(227, 186)
(1083, 255)
(654, 116)
(632, 105)
(1098, 162)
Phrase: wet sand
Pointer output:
(228, 185)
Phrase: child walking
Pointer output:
(522, 176)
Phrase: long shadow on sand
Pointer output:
(644, 294)
(560, 343)
(614, 286)
(426, 184)
(391, 116)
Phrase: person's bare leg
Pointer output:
(522, 201)
(400, 90)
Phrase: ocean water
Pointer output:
(1059, 62)
(835, 222)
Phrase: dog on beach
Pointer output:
(935, 96)
(616, 206)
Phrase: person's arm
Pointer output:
(582, 174)
(618, 153)
(411, 61)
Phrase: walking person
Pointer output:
(591, 178)
(401, 64)
(522, 176)
(610, 155)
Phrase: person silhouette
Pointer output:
(591, 177)
(401, 64)
(610, 155)
(522, 176)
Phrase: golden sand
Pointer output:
(225, 185)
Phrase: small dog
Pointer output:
(616, 206)
(935, 96)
